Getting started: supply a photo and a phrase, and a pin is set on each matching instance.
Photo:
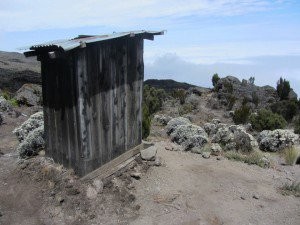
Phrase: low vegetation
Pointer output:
(179, 94)
(291, 189)
(290, 155)
(152, 102)
(287, 108)
(185, 109)
(297, 125)
(267, 120)
(241, 115)
(215, 79)
(254, 158)
(283, 88)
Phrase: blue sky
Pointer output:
(259, 38)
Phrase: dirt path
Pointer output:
(193, 190)
(186, 190)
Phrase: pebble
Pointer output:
(136, 175)
(255, 196)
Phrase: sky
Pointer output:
(243, 38)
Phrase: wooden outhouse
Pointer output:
(92, 96)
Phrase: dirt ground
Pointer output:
(186, 189)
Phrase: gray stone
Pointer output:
(149, 154)
(277, 139)
(292, 95)
(175, 122)
(257, 97)
(29, 94)
(136, 175)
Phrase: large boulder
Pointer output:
(175, 122)
(29, 94)
(277, 139)
(4, 104)
(232, 89)
(36, 120)
(189, 136)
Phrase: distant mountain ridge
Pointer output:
(16, 70)
(168, 84)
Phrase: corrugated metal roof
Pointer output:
(82, 40)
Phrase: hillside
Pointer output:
(168, 84)
(16, 70)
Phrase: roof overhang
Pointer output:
(56, 48)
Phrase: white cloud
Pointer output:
(228, 52)
(16, 15)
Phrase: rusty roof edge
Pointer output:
(81, 40)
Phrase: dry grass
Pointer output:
(254, 158)
(291, 189)
(290, 155)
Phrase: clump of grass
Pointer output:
(290, 155)
(14, 102)
(254, 158)
(291, 189)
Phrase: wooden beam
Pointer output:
(114, 165)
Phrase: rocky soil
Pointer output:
(184, 178)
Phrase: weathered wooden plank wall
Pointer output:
(92, 103)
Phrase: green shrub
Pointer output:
(152, 102)
(231, 99)
(297, 125)
(179, 94)
(185, 108)
(290, 155)
(215, 79)
(283, 88)
(228, 87)
(241, 115)
(291, 189)
(14, 102)
(255, 99)
(287, 108)
(146, 122)
(6, 95)
(267, 120)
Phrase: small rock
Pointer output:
(60, 199)
(91, 192)
(149, 154)
(219, 158)
(73, 191)
(205, 155)
(243, 198)
(158, 161)
(98, 184)
(136, 175)
(169, 148)
(255, 196)
(130, 186)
